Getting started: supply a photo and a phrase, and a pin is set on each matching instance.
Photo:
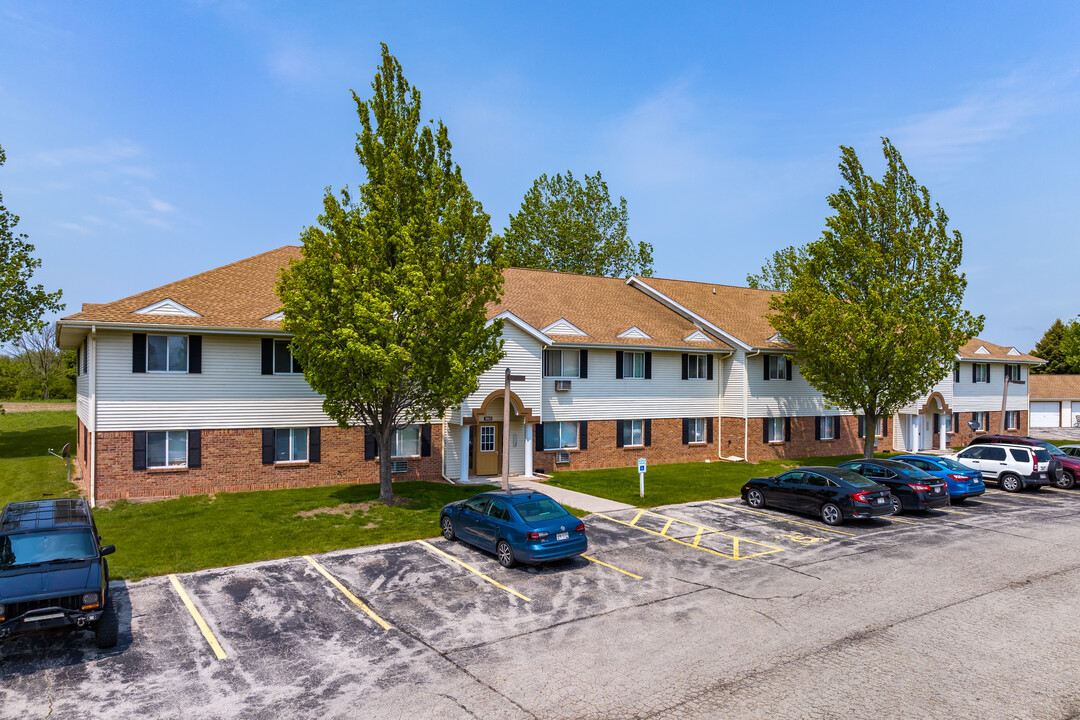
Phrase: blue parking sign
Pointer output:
(641, 465)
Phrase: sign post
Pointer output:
(641, 476)
(506, 430)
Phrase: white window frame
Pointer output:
(982, 372)
(828, 427)
(776, 429)
(1014, 415)
(293, 445)
(697, 431)
(548, 356)
(879, 428)
(945, 423)
(292, 370)
(630, 358)
(168, 354)
(394, 453)
(984, 420)
(487, 440)
(634, 425)
(1014, 372)
(697, 366)
(562, 425)
(778, 363)
(167, 434)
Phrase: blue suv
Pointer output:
(963, 482)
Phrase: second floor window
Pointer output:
(633, 365)
(777, 367)
(697, 367)
(956, 372)
(167, 353)
(561, 363)
(284, 362)
(980, 372)
(1013, 373)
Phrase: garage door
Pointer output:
(1075, 419)
(1045, 414)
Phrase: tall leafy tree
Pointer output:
(873, 306)
(22, 305)
(1069, 349)
(568, 226)
(387, 305)
(1049, 349)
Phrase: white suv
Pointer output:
(1014, 467)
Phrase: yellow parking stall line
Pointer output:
(667, 525)
(991, 502)
(624, 572)
(954, 512)
(636, 518)
(206, 632)
(697, 537)
(777, 517)
(473, 570)
(736, 556)
(893, 518)
(345, 591)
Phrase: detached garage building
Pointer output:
(1054, 400)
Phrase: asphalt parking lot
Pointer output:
(709, 609)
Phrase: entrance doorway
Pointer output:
(489, 449)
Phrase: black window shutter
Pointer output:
(618, 366)
(425, 440)
(648, 428)
(708, 366)
(975, 416)
(267, 356)
(956, 422)
(583, 364)
(138, 449)
(685, 367)
(987, 372)
(619, 433)
(370, 451)
(766, 423)
(315, 444)
(138, 352)
(708, 430)
(885, 427)
(790, 366)
(295, 364)
(268, 446)
(538, 436)
(956, 372)
(862, 426)
(194, 362)
(583, 435)
(937, 422)
(787, 429)
(78, 360)
(974, 376)
(765, 362)
(817, 428)
(194, 448)
(685, 428)
(648, 366)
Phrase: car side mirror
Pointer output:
(108, 550)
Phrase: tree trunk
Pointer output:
(870, 435)
(386, 447)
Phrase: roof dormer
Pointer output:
(167, 307)
(562, 326)
(636, 333)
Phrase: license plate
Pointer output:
(563, 536)
(1042, 476)
(880, 501)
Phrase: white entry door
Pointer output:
(1045, 414)
(926, 438)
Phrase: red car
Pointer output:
(1063, 473)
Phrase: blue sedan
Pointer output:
(526, 527)
(963, 482)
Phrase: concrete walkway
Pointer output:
(581, 501)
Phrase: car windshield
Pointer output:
(539, 510)
(913, 472)
(852, 478)
(1051, 448)
(41, 547)
(1042, 456)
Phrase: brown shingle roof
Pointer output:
(599, 306)
(736, 310)
(1056, 387)
(238, 295)
(994, 352)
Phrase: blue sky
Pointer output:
(150, 141)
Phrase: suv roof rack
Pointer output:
(42, 514)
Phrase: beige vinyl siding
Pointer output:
(523, 357)
(979, 397)
(603, 397)
(783, 398)
(452, 451)
(732, 377)
(82, 398)
(230, 392)
(943, 386)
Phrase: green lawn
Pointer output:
(682, 482)
(27, 471)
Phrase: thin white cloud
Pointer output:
(107, 153)
(74, 227)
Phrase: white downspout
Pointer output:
(746, 404)
(93, 416)
(719, 407)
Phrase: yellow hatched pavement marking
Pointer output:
(697, 537)
(636, 518)
(703, 528)
(473, 570)
(893, 518)
(991, 502)
(345, 591)
(777, 517)
(954, 512)
(206, 632)
(667, 525)
(624, 572)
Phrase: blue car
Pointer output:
(526, 527)
(963, 482)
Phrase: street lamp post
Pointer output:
(506, 429)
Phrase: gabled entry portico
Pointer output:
(482, 437)
(934, 418)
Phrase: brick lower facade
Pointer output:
(666, 447)
(962, 438)
(802, 444)
(232, 462)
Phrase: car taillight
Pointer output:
(536, 535)
(860, 496)
(1035, 467)
(961, 478)
(580, 527)
(917, 487)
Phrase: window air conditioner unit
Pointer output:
(562, 385)
(399, 466)
(562, 457)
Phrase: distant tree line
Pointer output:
(35, 369)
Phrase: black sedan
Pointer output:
(911, 488)
(833, 494)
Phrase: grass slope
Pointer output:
(27, 470)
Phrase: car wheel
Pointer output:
(447, 528)
(897, 505)
(1010, 483)
(755, 499)
(505, 554)
(1066, 481)
(108, 627)
(831, 514)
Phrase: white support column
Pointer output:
(529, 429)
(944, 435)
(464, 454)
